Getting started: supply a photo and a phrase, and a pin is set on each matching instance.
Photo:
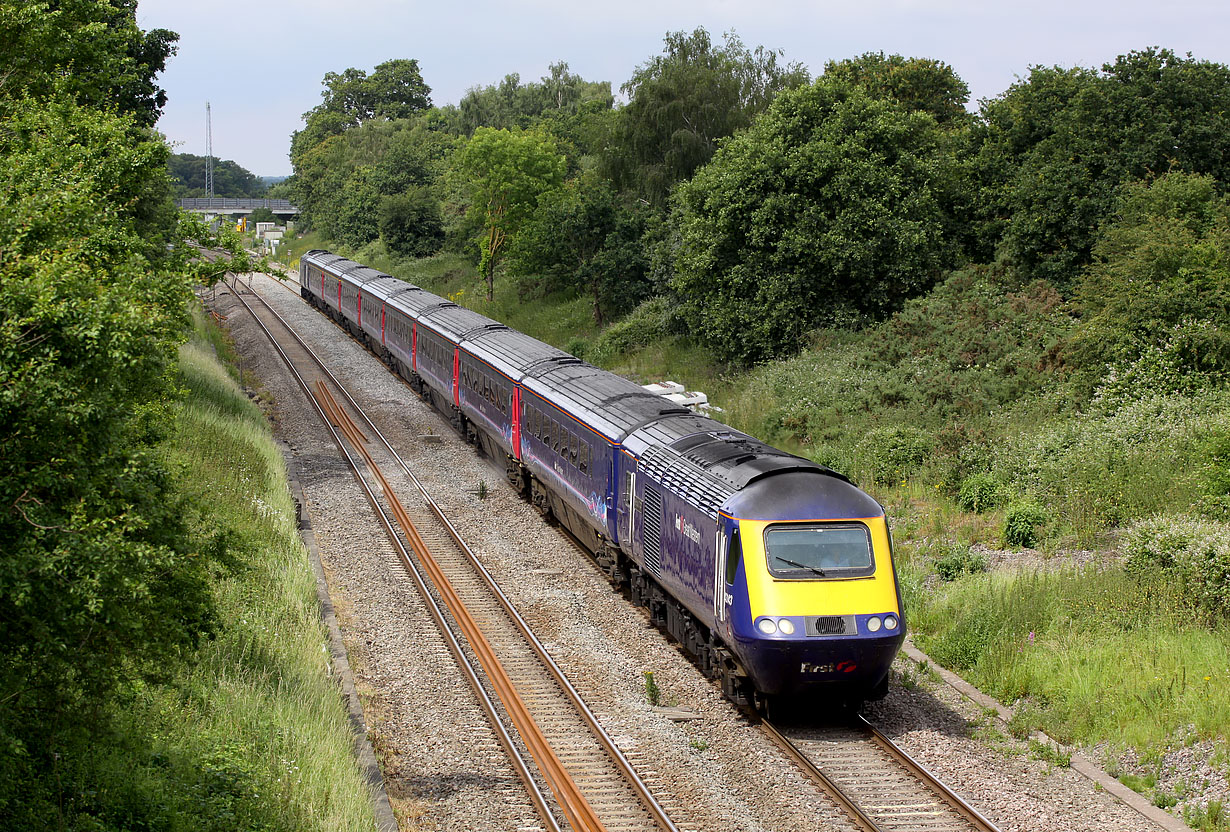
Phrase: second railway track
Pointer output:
(588, 783)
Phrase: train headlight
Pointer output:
(890, 623)
(786, 626)
(767, 626)
(874, 623)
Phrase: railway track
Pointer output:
(867, 776)
(880, 786)
(573, 772)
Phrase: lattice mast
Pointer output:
(209, 154)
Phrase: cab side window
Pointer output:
(733, 557)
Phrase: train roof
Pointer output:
(386, 287)
(415, 301)
(335, 263)
(456, 322)
(608, 403)
(366, 274)
(511, 352)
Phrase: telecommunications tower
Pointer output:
(209, 154)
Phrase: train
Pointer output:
(774, 572)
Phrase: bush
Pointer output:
(1195, 552)
(891, 454)
(960, 561)
(1021, 523)
(652, 321)
(979, 492)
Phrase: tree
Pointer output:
(1054, 149)
(585, 236)
(92, 50)
(100, 582)
(922, 84)
(410, 222)
(394, 90)
(1160, 267)
(230, 179)
(505, 173)
(511, 104)
(830, 206)
(681, 103)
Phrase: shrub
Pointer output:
(651, 321)
(1021, 523)
(979, 492)
(960, 561)
(1196, 552)
(892, 454)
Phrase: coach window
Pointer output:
(583, 464)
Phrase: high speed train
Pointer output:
(775, 572)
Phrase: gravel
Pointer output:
(442, 765)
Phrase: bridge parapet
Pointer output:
(231, 205)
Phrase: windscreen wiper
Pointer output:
(815, 569)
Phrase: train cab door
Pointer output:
(729, 555)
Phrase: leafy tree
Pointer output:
(92, 50)
(230, 179)
(1160, 266)
(830, 206)
(504, 174)
(394, 90)
(261, 214)
(916, 83)
(511, 104)
(585, 236)
(681, 103)
(99, 578)
(1055, 148)
(410, 222)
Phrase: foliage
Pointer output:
(682, 102)
(979, 492)
(1054, 148)
(892, 454)
(513, 105)
(1067, 646)
(99, 582)
(230, 179)
(1194, 552)
(1021, 522)
(584, 236)
(90, 50)
(651, 322)
(394, 90)
(831, 205)
(410, 222)
(342, 185)
(958, 561)
(505, 173)
(920, 84)
(1156, 300)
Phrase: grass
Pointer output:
(251, 733)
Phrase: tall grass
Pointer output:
(1092, 655)
(250, 734)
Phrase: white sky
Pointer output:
(260, 63)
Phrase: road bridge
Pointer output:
(230, 206)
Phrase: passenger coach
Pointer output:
(775, 572)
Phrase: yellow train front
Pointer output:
(812, 607)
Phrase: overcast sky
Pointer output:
(260, 63)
